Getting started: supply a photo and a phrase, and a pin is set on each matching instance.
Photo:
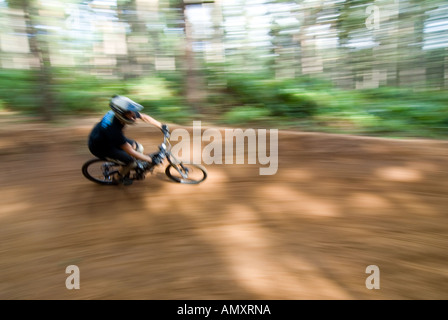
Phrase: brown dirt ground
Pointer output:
(336, 205)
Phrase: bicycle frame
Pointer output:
(166, 145)
(165, 153)
(176, 170)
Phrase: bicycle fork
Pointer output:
(184, 171)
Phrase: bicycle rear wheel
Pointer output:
(100, 171)
(186, 173)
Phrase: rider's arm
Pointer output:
(129, 150)
(151, 120)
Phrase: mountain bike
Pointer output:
(102, 171)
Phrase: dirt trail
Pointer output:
(336, 205)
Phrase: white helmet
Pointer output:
(121, 105)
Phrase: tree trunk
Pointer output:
(194, 86)
(46, 104)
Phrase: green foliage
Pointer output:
(246, 114)
(388, 93)
(19, 90)
(318, 105)
(249, 99)
(149, 89)
(278, 98)
(386, 111)
(168, 110)
(75, 92)
(160, 98)
(82, 93)
(417, 116)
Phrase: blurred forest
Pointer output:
(370, 67)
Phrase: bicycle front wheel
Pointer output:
(186, 173)
(100, 171)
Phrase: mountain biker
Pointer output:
(107, 139)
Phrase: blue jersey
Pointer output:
(107, 134)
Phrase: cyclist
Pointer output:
(107, 139)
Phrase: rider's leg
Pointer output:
(127, 164)
(127, 168)
(137, 147)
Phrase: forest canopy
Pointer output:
(366, 67)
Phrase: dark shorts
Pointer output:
(114, 154)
